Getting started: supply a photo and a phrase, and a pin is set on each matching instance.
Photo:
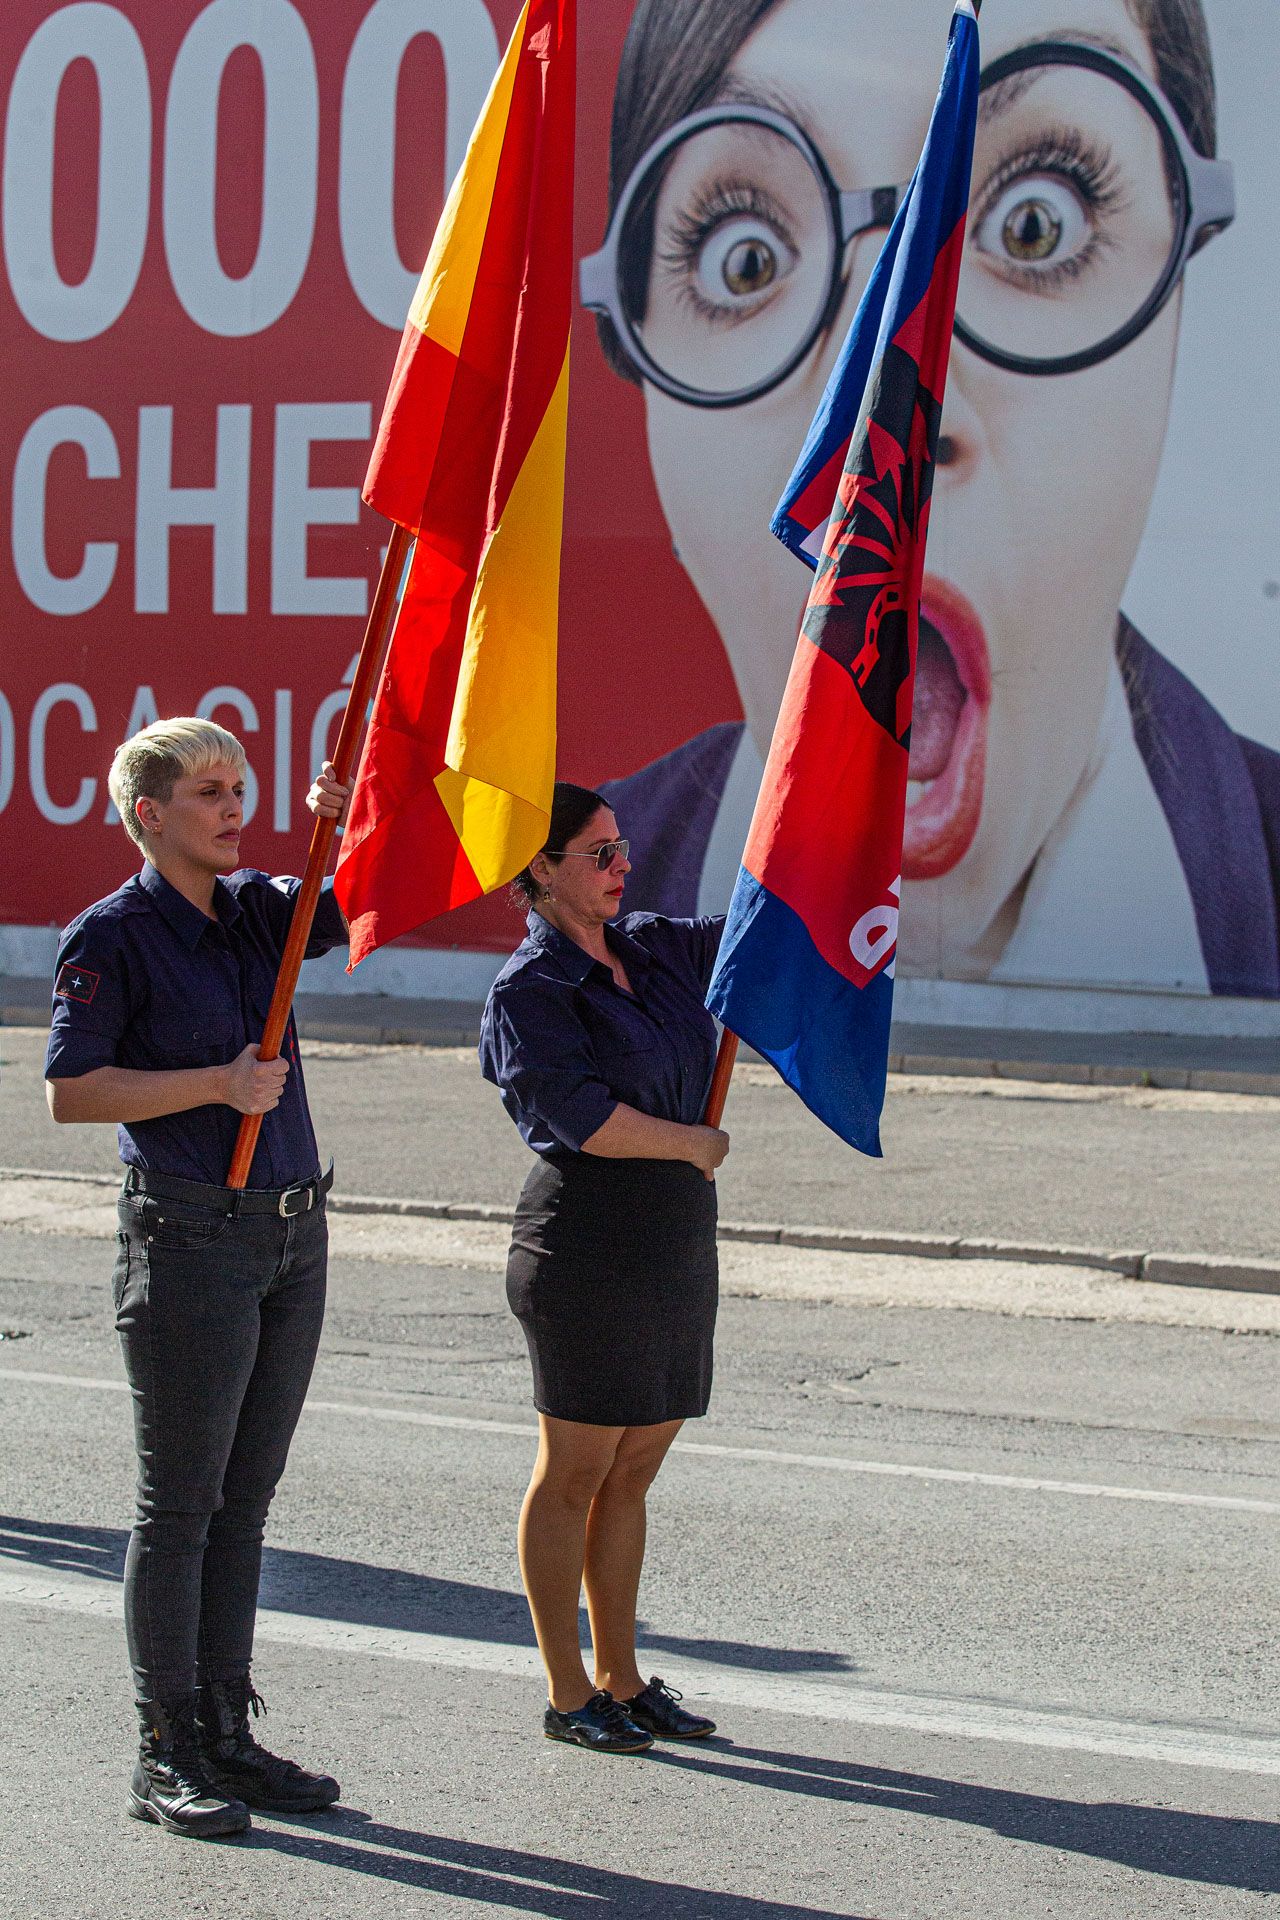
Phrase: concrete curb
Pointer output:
(1074, 1073)
(1162, 1269)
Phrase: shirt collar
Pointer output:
(187, 921)
(575, 961)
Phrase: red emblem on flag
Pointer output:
(76, 983)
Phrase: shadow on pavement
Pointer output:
(505, 1877)
(98, 1551)
(1211, 1849)
(316, 1586)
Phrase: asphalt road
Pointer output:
(1014, 1161)
(985, 1604)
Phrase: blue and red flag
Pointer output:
(805, 973)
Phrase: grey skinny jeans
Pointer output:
(219, 1319)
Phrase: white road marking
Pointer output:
(949, 1716)
(766, 1456)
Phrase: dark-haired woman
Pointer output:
(1078, 809)
(596, 1033)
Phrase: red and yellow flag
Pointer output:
(453, 793)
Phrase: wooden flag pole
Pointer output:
(720, 1079)
(377, 635)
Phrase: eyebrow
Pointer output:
(734, 92)
(1007, 92)
(1080, 37)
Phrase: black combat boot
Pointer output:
(169, 1784)
(235, 1763)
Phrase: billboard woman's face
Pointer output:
(1044, 482)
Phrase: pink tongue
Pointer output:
(939, 701)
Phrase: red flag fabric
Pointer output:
(453, 792)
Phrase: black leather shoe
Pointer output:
(659, 1712)
(235, 1763)
(601, 1725)
(169, 1785)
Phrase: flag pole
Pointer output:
(377, 635)
(720, 1079)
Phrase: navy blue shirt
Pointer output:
(146, 980)
(566, 1045)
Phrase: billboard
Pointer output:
(213, 218)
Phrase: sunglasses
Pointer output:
(604, 856)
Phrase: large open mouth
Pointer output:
(948, 734)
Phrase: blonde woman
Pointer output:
(159, 1003)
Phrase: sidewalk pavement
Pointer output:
(1153, 1184)
(1202, 1063)
(23, 1190)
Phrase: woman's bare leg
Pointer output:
(615, 1537)
(573, 1463)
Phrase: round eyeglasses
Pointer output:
(731, 249)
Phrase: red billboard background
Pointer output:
(185, 460)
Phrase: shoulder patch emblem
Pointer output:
(76, 983)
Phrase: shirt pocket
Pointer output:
(197, 1040)
(629, 1044)
(632, 1058)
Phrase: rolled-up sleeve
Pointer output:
(534, 1047)
(704, 939)
(328, 928)
(690, 944)
(90, 1009)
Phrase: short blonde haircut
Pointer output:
(149, 764)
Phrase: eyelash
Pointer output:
(1089, 169)
(714, 205)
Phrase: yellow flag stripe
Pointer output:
(500, 757)
(500, 833)
(443, 300)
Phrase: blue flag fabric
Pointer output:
(805, 972)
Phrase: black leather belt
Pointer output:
(286, 1201)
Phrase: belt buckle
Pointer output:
(290, 1213)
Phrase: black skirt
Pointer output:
(612, 1274)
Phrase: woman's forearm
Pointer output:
(128, 1094)
(629, 1134)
